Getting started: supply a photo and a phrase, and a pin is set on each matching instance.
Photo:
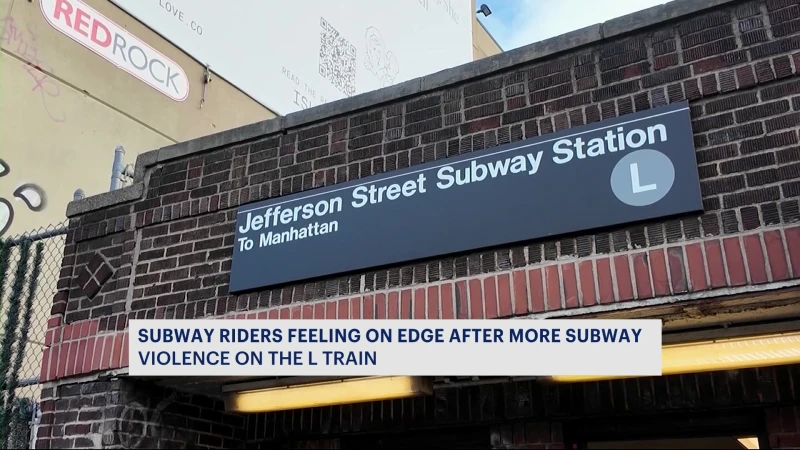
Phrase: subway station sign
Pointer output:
(632, 168)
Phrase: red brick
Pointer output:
(658, 270)
(94, 325)
(252, 316)
(433, 302)
(272, 314)
(48, 338)
(460, 300)
(521, 306)
(54, 322)
(87, 359)
(716, 268)
(447, 301)
(84, 329)
(641, 269)
(116, 355)
(55, 361)
(393, 305)
(504, 295)
(306, 313)
(624, 279)
(490, 297)
(67, 332)
(405, 304)
(125, 350)
(355, 308)
(319, 311)
(420, 306)
(262, 315)
(755, 259)
(343, 309)
(44, 371)
(97, 357)
(330, 309)
(58, 335)
(80, 355)
(605, 284)
(295, 313)
(381, 309)
(679, 280)
(793, 249)
(734, 261)
(553, 283)
(697, 270)
(369, 307)
(570, 285)
(71, 350)
(475, 299)
(586, 277)
(283, 314)
(108, 349)
(776, 255)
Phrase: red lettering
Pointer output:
(63, 6)
(80, 21)
(99, 26)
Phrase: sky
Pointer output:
(514, 23)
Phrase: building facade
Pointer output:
(161, 249)
(58, 80)
(68, 103)
(66, 107)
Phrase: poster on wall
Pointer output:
(294, 54)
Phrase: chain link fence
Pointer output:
(29, 270)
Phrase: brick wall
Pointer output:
(167, 253)
(125, 414)
(162, 248)
(528, 436)
(130, 415)
(783, 425)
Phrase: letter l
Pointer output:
(638, 188)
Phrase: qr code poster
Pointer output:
(337, 59)
(295, 54)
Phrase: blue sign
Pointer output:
(632, 168)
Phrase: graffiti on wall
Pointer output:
(141, 427)
(32, 195)
(379, 61)
(22, 41)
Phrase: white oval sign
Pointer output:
(99, 34)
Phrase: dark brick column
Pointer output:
(123, 414)
(783, 426)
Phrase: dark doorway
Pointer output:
(460, 438)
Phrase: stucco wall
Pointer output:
(64, 109)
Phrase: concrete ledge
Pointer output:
(657, 14)
(106, 199)
(523, 55)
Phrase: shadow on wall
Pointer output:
(32, 195)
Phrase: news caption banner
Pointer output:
(395, 347)
(632, 168)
